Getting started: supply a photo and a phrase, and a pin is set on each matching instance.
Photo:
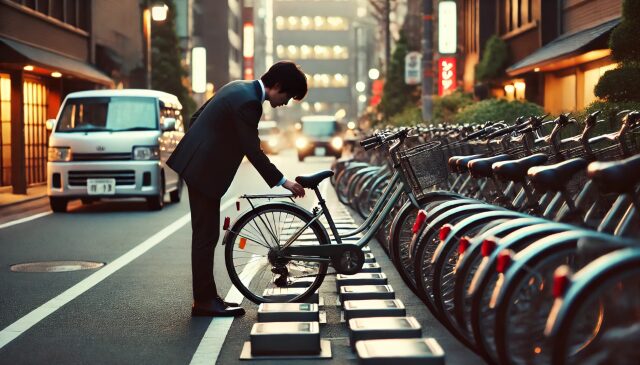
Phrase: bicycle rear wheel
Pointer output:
(253, 253)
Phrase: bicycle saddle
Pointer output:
(453, 160)
(554, 177)
(481, 167)
(312, 181)
(462, 162)
(516, 170)
(617, 176)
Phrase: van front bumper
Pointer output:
(133, 178)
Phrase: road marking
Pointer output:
(213, 339)
(20, 326)
(25, 219)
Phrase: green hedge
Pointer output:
(494, 59)
(619, 84)
(446, 108)
(496, 110)
(409, 116)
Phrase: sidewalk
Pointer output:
(7, 198)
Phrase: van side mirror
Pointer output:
(49, 124)
(169, 124)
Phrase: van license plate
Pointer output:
(101, 186)
(319, 151)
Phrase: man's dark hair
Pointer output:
(290, 77)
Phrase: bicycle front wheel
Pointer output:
(253, 260)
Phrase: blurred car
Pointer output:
(270, 136)
(319, 135)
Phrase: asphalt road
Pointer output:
(136, 309)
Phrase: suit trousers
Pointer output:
(205, 226)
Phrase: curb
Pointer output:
(25, 200)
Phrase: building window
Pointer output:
(328, 80)
(35, 133)
(306, 52)
(5, 130)
(72, 12)
(312, 23)
(516, 14)
(591, 78)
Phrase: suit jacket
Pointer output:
(222, 132)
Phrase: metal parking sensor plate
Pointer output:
(56, 266)
(325, 353)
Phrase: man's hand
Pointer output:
(295, 188)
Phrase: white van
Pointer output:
(114, 144)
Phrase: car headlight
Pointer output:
(56, 154)
(337, 143)
(273, 142)
(146, 153)
(301, 142)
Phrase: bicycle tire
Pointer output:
(256, 221)
(604, 276)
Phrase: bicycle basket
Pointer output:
(423, 166)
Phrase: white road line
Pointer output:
(25, 219)
(20, 326)
(211, 344)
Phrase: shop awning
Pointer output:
(56, 62)
(570, 48)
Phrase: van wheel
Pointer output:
(300, 158)
(157, 202)
(58, 205)
(176, 194)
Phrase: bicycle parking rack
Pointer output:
(373, 308)
(286, 340)
(360, 279)
(377, 328)
(364, 292)
(369, 258)
(291, 312)
(371, 267)
(404, 351)
(281, 295)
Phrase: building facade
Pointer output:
(558, 49)
(332, 40)
(49, 48)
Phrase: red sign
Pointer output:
(446, 75)
(376, 92)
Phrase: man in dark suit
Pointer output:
(221, 133)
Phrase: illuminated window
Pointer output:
(5, 130)
(327, 80)
(330, 23)
(317, 52)
(35, 133)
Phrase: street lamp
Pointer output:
(156, 12)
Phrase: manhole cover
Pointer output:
(56, 266)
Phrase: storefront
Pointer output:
(33, 82)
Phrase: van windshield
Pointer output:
(319, 129)
(114, 114)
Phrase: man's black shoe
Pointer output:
(229, 304)
(215, 308)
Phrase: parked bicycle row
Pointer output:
(488, 224)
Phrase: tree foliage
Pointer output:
(396, 94)
(494, 60)
(621, 84)
(167, 71)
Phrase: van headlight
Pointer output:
(272, 142)
(301, 142)
(57, 154)
(146, 153)
(337, 143)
